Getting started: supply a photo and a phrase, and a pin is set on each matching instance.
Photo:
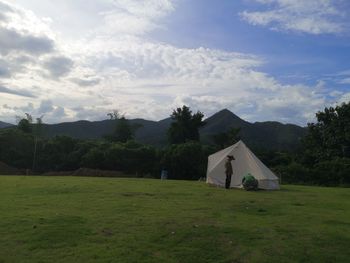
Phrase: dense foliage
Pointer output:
(123, 130)
(185, 125)
(187, 160)
(225, 139)
(62, 153)
(329, 137)
(328, 173)
(16, 148)
(323, 157)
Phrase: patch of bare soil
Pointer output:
(88, 172)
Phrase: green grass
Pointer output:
(72, 219)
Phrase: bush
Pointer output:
(327, 173)
(128, 157)
(61, 153)
(16, 148)
(293, 173)
(185, 161)
(333, 172)
(93, 159)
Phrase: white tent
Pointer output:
(245, 162)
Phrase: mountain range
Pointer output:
(4, 125)
(259, 135)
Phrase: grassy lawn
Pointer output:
(73, 219)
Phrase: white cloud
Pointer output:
(29, 46)
(342, 77)
(46, 110)
(16, 92)
(59, 113)
(87, 81)
(345, 81)
(135, 17)
(345, 98)
(311, 16)
(46, 106)
(116, 66)
(58, 66)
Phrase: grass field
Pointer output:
(73, 219)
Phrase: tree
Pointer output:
(62, 153)
(25, 123)
(329, 137)
(124, 131)
(228, 138)
(186, 161)
(37, 133)
(25, 126)
(185, 125)
(115, 115)
(16, 148)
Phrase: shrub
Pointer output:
(333, 172)
(293, 173)
(185, 161)
(328, 173)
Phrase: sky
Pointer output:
(265, 60)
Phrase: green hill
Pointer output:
(151, 132)
(4, 125)
(259, 135)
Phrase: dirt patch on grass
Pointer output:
(136, 194)
(107, 232)
(88, 172)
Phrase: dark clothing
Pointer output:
(228, 167)
(228, 172)
(228, 181)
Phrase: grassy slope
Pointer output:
(72, 219)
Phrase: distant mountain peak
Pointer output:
(226, 115)
(222, 121)
(225, 111)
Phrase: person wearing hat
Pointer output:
(228, 170)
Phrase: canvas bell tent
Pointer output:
(245, 162)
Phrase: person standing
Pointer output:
(228, 170)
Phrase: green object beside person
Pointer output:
(249, 182)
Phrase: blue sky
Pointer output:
(279, 60)
(290, 56)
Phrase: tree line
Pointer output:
(323, 156)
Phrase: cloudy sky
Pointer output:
(279, 60)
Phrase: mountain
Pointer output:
(258, 135)
(275, 135)
(4, 125)
(151, 132)
(221, 121)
